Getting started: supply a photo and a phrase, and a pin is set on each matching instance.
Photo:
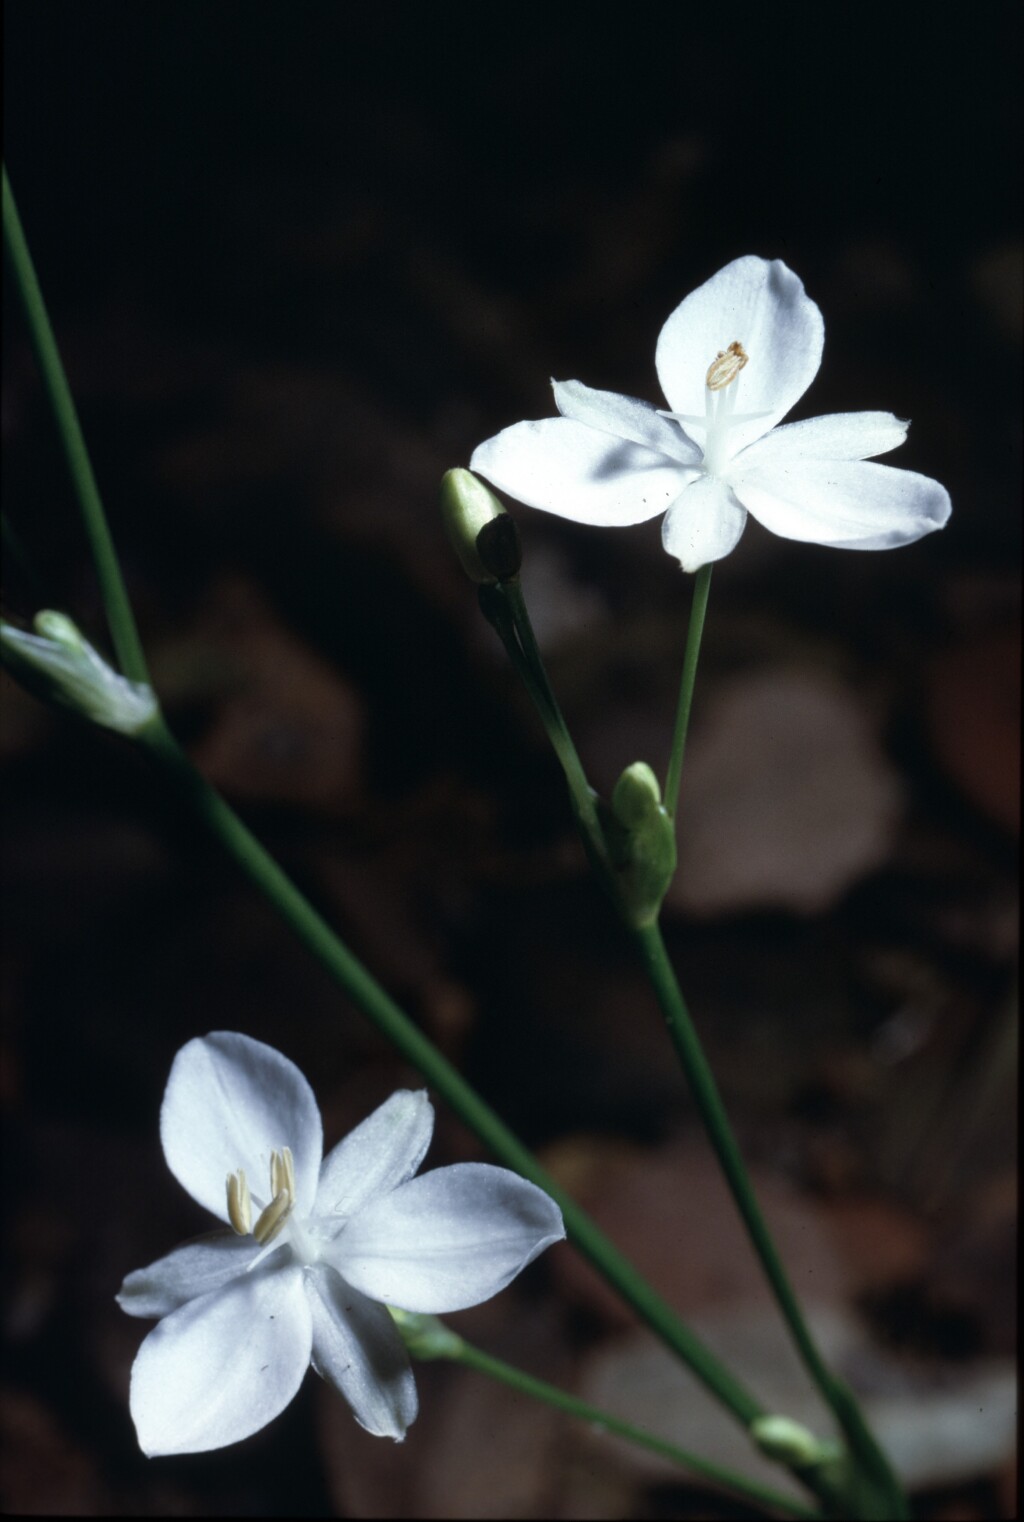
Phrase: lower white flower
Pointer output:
(733, 358)
(314, 1252)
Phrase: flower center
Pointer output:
(720, 405)
(274, 1217)
(271, 1219)
(720, 416)
(725, 366)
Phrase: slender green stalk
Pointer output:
(123, 632)
(538, 1389)
(504, 607)
(698, 609)
(712, 1111)
(565, 747)
(873, 1463)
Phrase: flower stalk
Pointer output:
(698, 610)
(426, 1337)
(651, 946)
(123, 630)
(645, 930)
(505, 609)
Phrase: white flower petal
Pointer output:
(567, 468)
(625, 417)
(194, 1269)
(837, 436)
(381, 1153)
(703, 524)
(447, 1240)
(230, 1101)
(848, 504)
(762, 305)
(221, 1367)
(358, 1350)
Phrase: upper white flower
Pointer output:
(732, 360)
(314, 1252)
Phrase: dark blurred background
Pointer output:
(300, 259)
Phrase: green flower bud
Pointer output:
(641, 842)
(482, 534)
(637, 795)
(59, 665)
(790, 1442)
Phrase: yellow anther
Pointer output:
(239, 1203)
(725, 367)
(272, 1219)
(282, 1171)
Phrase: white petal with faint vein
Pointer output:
(357, 1349)
(382, 1152)
(848, 504)
(223, 1366)
(703, 524)
(189, 1271)
(230, 1101)
(580, 473)
(447, 1240)
(624, 417)
(838, 436)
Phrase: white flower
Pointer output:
(732, 360)
(313, 1254)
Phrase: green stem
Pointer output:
(504, 607)
(384, 1013)
(712, 1111)
(500, 604)
(698, 609)
(561, 1400)
(115, 597)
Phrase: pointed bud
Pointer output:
(637, 794)
(60, 666)
(641, 843)
(482, 534)
(790, 1442)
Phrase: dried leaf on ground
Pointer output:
(787, 797)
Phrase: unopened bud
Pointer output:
(641, 843)
(58, 664)
(781, 1438)
(482, 534)
(637, 794)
